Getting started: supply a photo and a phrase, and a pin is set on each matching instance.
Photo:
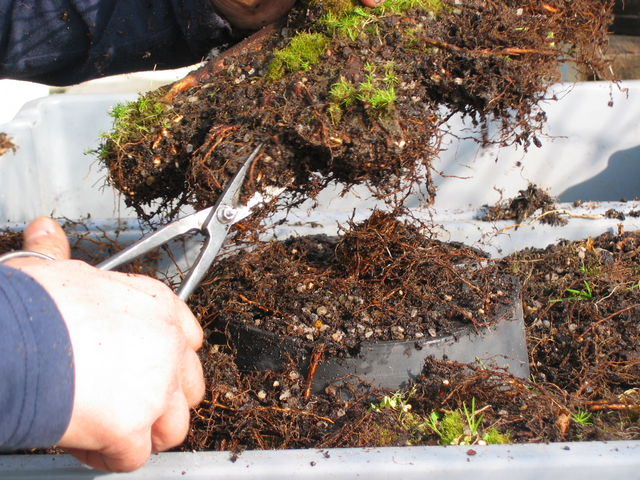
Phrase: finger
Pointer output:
(173, 308)
(44, 235)
(193, 385)
(124, 461)
(172, 427)
(372, 3)
(189, 324)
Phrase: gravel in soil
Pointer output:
(581, 302)
(382, 279)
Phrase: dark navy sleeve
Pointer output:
(63, 42)
(36, 365)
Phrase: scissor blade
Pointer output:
(231, 194)
(216, 227)
(190, 223)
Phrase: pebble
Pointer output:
(322, 310)
(262, 394)
(338, 336)
(286, 394)
(397, 332)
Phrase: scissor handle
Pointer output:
(213, 223)
(190, 223)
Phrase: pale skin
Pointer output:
(134, 344)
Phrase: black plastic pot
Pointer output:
(390, 364)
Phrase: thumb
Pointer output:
(44, 235)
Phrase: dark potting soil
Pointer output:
(584, 351)
(581, 302)
(528, 202)
(382, 279)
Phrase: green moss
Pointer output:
(133, 120)
(347, 19)
(350, 24)
(452, 428)
(343, 93)
(302, 53)
(398, 6)
(377, 94)
(494, 437)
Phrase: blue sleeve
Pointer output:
(36, 365)
(62, 42)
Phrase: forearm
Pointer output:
(61, 42)
(36, 365)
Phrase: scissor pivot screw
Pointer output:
(226, 214)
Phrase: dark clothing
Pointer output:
(63, 42)
(37, 372)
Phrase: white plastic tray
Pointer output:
(592, 155)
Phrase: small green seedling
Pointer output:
(628, 289)
(582, 417)
(390, 75)
(394, 402)
(343, 93)
(472, 421)
(585, 294)
(462, 427)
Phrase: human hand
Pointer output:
(134, 344)
(255, 14)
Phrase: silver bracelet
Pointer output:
(22, 254)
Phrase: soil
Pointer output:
(489, 61)
(524, 206)
(381, 279)
(581, 300)
(584, 354)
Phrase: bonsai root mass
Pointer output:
(340, 93)
(381, 280)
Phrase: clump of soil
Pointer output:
(524, 206)
(10, 240)
(6, 144)
(382, 279)
(581, 306)
(366, 106)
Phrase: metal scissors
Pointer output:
(212, 222)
